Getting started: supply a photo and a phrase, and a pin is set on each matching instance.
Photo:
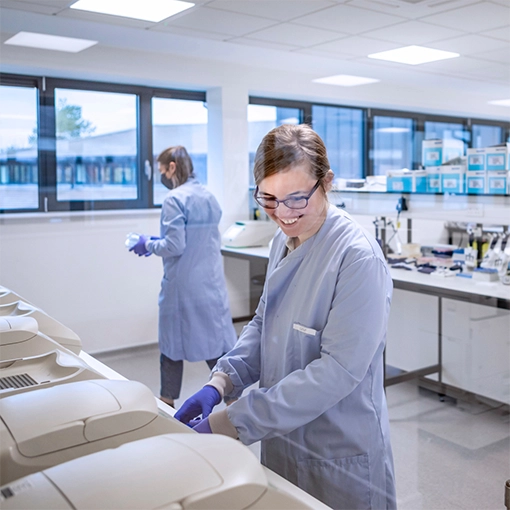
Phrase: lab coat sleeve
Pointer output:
(173, 230)
(242, 362)
(355, 328)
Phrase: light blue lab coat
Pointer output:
(195, 323)
(316, 345)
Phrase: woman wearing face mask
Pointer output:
(316, 342)
(194, 316)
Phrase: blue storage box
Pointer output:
(433, 179)
(497, 182)
(437, 152)
(497, 157)
(407, 181)
(475, 182)
(453, 178)
(476, 159)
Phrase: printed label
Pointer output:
(304, 329)
(496, 160)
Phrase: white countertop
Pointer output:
(454, 283)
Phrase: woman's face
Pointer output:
(292, 182)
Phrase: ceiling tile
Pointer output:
(262, 44)
(324, 54)
(473, 18)
(347, 19)
(502, 56)
(499, 72)
(61, 4)
(189, 32)
(104, 18)
(295, 35)
(355, 45)
(411, 10)
(470, 44)
(502, 33)
(222, 22)
(455, 65)
(30, 7)
(413, 32)
(279, 11)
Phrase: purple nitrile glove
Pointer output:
(139, 248)
(203, 427)
(201, 403)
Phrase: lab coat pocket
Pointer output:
(339, 483)
(306, 344)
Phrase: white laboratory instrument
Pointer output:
(246, 234)
(43, 428)
(171, 471)
(9, 296)
(47, 325)
(20, 338)
(43, 371)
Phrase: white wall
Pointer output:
(76, 268)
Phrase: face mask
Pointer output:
(168, 183)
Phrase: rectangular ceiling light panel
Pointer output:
(345, 80)
(147, 10)
(413, 55)
(500, 102)
(50, 42)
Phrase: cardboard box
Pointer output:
(406, 181)
(433, 179)
(475, 182)
(497, 157)
(437, 152)
(497, 182)
(476, 159)
(453, 178)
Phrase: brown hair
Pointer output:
(183, 164)
(289, 145)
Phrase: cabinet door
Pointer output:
(412, 331)
(476, 349)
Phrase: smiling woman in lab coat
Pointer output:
(315, 343)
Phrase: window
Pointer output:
(343, 133)
(392, 144)
(179, 122)
(443, 130)
(263, 118)
(96, 145)
(79, 145)
(485, 136)
(19, 182)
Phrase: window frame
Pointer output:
(46, 130)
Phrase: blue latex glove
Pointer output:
(203, 427)
(139, 248)
(201, 403)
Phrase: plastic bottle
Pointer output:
(131, 239)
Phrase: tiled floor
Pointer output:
(448, 455)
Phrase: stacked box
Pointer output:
(438, 152)
(406, 181)
(497, 157)
(433, 179)
(497, 182)
(476, 160)
(476, 176)
(453, 178)
(475, 182)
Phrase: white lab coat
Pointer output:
(316, 345)
(195, 323)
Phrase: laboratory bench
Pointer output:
(451, 334)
